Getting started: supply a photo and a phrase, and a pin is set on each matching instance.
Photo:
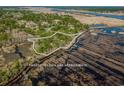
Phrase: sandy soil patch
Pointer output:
(98, 20)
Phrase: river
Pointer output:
(101, 27)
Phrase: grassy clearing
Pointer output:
(46, 45)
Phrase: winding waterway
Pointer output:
(105, 15)
(101, 27)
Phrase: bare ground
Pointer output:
(89, 19)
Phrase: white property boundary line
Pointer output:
(66, 47)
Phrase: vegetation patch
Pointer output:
(58, 40)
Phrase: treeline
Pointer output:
(104, 9)
(90, 8)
